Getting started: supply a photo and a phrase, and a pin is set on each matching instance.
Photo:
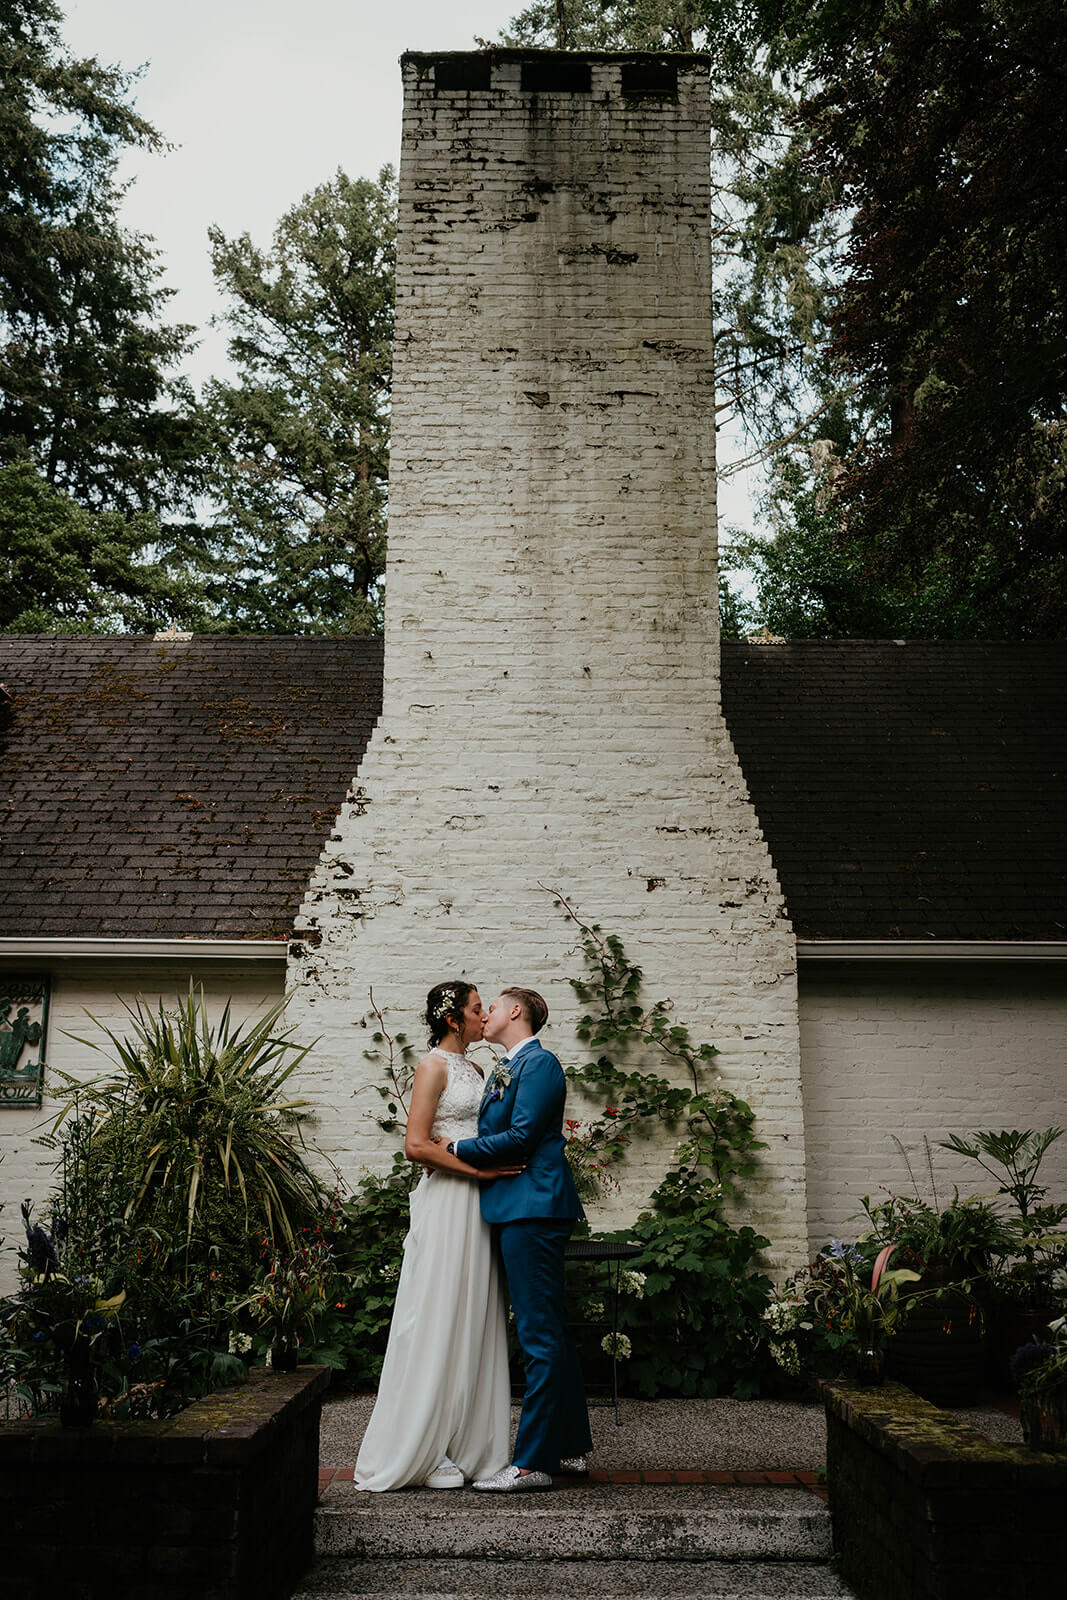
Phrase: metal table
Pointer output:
(608, 1251)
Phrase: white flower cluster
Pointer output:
(617, 1345)
(594, 1310)
(786, 1352)
(240, 1343)
(783, 1316)
(633, 1283)
(391, 1272)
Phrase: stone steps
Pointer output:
(342, 1578)
(625, 1540)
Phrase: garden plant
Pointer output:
(177, 1170)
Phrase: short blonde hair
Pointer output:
(533, 1006)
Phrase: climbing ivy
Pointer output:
(695, 1327)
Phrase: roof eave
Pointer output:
(931, 950)
(147, 949)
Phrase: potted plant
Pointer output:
(176, 1169)
(289, 1299)
(936, 1349)
(1040, 1370)
(1021, 1295)
(56, 1326)
(837, 1315)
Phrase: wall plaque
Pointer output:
(23, 1024)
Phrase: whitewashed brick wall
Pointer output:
(551, 713)
(101, 987)
(924, 1050)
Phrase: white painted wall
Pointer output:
(551, 713)
(101, 987)
(924, 1050)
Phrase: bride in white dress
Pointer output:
(444, 1399)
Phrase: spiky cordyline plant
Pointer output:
(203, 1114)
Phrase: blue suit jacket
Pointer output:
(525, 1125)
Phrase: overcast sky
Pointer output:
(264, 100)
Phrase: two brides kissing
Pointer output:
(496, 1203)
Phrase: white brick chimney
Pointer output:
(551, 712)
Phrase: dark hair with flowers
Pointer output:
(444, 1007)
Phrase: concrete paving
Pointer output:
(339, 1579)
(724, 1434)
(577, 1522)
(643, 1541)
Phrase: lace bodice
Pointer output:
(457, 1110)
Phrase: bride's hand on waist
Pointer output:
(487, 1173)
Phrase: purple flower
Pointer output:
(843, 1250)
(40, 1251)
(1027, 1357)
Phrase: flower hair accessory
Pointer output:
(446, 1004)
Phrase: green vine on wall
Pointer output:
(694, 1329)
(396, 1056)
(721, 1140)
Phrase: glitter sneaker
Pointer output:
(509, 1480)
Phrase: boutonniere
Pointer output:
(499, 1080)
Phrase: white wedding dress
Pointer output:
(444, 1389)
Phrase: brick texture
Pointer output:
(551, 715)
(923, 1051)
(925, 1508)
(216, 1503)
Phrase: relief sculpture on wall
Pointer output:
(23, 1021)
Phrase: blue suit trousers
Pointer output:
(555, 1420)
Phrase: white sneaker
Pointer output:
(446, 1475)
(509, 1480)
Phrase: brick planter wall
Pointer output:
(924, 1508)
(216, 1503)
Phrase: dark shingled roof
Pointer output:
(186, 789)
(174, 790)
(908, 790)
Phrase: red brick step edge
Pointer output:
(795, 1480)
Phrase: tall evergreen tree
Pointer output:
(302, 439)
(84, 355)
(71, 570)
(945, 123)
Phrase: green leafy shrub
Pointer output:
(696, 1327)
(202, 1133)
(176, 1170)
